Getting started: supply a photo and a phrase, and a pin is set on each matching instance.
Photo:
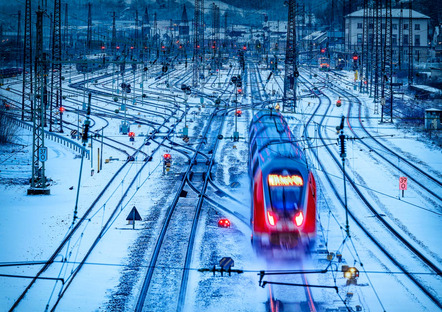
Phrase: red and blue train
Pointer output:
(283, 187)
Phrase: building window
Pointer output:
(359, 25)
(405, 26)
(405, 42)
(359, 39)
(394, 39)
(417, 40)
(417, 26)
(394, 26)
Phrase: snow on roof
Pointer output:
(396, 13)
(427, 88)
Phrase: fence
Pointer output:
(55, 137)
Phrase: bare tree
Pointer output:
(8, 128)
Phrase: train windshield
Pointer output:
(285, 192)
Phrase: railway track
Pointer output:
(423, 285)
(181, 221)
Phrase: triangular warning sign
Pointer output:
(134, 215)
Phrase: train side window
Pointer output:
(254, 147)
(255, 167)
(252, 132)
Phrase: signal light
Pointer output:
(355, 57)
(244, 48)
(167, 156)
(322, 50)
(271, 216)
(299, 218)
(61, 109)
(224, 223)
(131, 48)
(239, 90)
(118, 47)
(238, 113)
(351, 274)
(103, 47)
(131, 134)
(163, 47)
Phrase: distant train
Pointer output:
(282, 185)
(324, 64)
(91, 64)
(10, 72)
(340, 64)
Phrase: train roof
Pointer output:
(273, 138)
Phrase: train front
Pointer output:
(284, 213)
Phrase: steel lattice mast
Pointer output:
(39, 153)
(136, 32)
(410, 43)
(89, 26)
(114, 34)
(376, 60)
(216, 44)
(65, 33)
(365, 48)
(27, 94)
(387, 87)
(198, 39)
(291, 60)
(56, 96)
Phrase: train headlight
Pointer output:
(299, 218)
(271, 216)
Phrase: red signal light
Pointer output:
(118, 47)
(355, 57)
(163, 47)
(61, 109)
(322, 50)
(131, 134)
(131, 48)
(103, 47)
(167, 156)
(238, 112)
(244, 48)
(239, 90)
(224, 223)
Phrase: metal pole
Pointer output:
(85, 136)
(101, 156)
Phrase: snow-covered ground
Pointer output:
(31, 227)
